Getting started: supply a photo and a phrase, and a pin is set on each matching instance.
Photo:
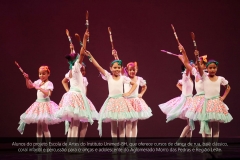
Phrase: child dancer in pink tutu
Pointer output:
(74, 105)
(140, 106)
(199, 98)
(213, 110)
(177, 107)
(42, 110)
(116, 109)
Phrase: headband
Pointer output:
(118, 61)
(212, 61)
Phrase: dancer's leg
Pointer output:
(83, 131)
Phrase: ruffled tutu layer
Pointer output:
(196, 107)
(176, 108)
(72, 106)
(41, 112)
(140, 106)
(215, 110)
(118, 109)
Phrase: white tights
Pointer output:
(73, 130)
(120, 125)
(131, 131)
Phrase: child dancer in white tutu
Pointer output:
(213, 110)
(139, 105)
(74, 105)
(177, 107)
(42, 110)
(116, 109)
(199, 98)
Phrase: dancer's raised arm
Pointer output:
(94, 62)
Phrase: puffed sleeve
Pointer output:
(67, 75)
(85, 81)
(49, 86)
(223, 81)
(106, 76)
(126, 80)
(142, 81)
(180, 81)
(37, 82)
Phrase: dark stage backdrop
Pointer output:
(33, 33)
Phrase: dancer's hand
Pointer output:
(126, 94)
(87, 53)
(181, 48)
(71, 46)
(114, 52)
(25, 75)
(221, 99)
(140, 95)
(196, 53)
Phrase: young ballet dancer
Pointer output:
(43, 109)
(177, 107)
(74, 105)
(214, 109)
(116, 109)
(140, 106)
(65, 82)
(199, 97)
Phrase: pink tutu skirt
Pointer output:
(140, 106)
(72, 106)
(41, 112)
(118, 109)
(177, 107)
(214, 110)
(196, 107)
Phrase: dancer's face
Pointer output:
(132, 71)
(116, 69)
(43, 75)
(212, 69)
